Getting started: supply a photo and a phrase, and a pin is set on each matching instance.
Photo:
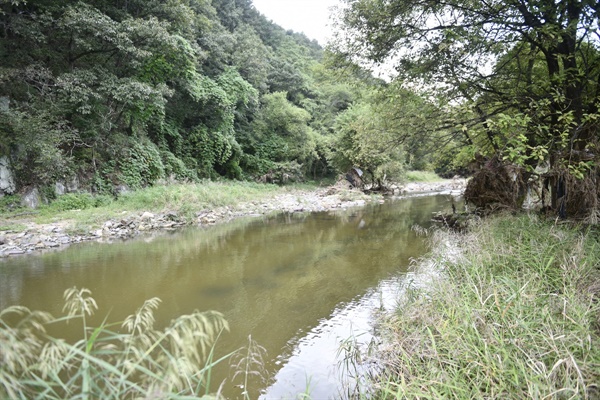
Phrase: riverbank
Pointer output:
(78, 218)
(510, 310)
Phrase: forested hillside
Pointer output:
(98, 95)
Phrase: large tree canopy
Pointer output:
(525, 74)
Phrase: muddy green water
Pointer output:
(297, 283)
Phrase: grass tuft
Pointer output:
(422, 176)
(174, 363)
(513, 314)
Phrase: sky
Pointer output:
(308, 16)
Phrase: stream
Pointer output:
(299, 284)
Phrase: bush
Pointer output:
(35, 138)
(10, 203)
(73, 201)
(142, 165)
(177, 168)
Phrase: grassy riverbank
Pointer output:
(84, 210)
(422, 176)
(514, 313)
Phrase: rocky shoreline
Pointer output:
(36, 238)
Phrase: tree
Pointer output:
(517, 63)
(364, 140)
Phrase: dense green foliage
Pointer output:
(519, 81)
(133, 92)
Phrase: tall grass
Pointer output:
(422, 176)
(84, 211)
(515, 315)
(174, 363)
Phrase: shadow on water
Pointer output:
(276, 278)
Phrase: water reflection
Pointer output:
(276, 279)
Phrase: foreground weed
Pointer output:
(142, 363)
(248, 364)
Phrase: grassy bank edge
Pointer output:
(82, 211)
(511, 310)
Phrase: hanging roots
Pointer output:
(497, 186)
(574, 197)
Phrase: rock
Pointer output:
(72, 185)
(4, 103)
(59, 189)
(122, 189)
(31, 198)
(7, 181)
(147, 215)
(2, 239)
(171, 216)
(51, 229)
(14, 251)
(64, 239)
(99, 233)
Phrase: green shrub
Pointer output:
(10, 203)
(48, 193)
(100, 182)
(141, 165)
(177, 168)
(73, 201)
(102, 200)
(255, 165)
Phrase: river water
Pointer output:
(298, 284)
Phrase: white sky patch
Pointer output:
(308, 16)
